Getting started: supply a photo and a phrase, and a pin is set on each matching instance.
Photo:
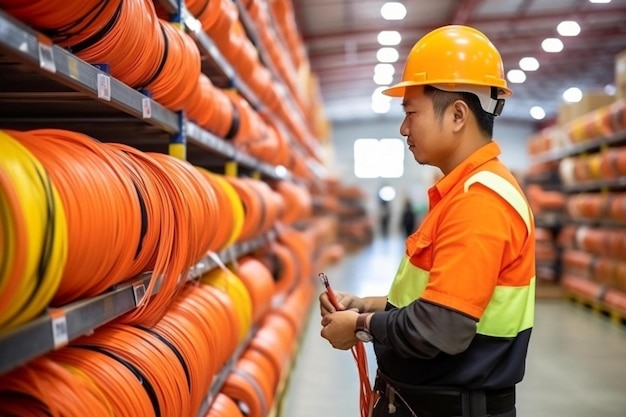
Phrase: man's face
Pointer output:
(425, 132)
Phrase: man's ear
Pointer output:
(460, 114)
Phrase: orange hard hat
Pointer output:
(454, 58)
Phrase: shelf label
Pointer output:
(146, 108)
(139, 292)
(230, 169)
(60, 336)
(72, 66)
(46, 58)
(104, 87)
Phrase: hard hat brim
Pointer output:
(398, 90)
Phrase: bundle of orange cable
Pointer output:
(366, 395)
(44, 387)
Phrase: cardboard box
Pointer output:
(620, 74)
(591, 101)
(565, 113)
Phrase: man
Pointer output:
(451, 336)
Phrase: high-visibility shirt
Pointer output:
(474, 254)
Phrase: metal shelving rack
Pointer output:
(54, 75)
(220, 377)
(581, 148)
(618, 184)
(251, 30)
(64, 67)
(59, 326)
(222, 69)
(256, 40)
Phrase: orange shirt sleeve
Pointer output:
(469, 249)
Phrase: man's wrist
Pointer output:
(361, 330)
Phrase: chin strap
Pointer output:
(494, 105)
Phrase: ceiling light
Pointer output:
(537, 113)
(387, 193)
(552, 45)
(381, 106)
(389, 37)
(393, 10)
(573, 95)
(387, 55)
(610, 89)
(599, 1)
(384, 69)
(378, 95)
(568, 28)
(383, 79)
(529, 63)
(516, 76)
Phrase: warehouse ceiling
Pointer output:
(341, 39)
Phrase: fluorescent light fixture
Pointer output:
(383, 79)
(378, 95)
(389, 37)
(552, 45)
(516, 76)
(573, 95)
(387, 55)
(528, 63)
(537, 113)
(392, 10)
(568, 28)
(381, 107)
(384, 69)
(599, 1)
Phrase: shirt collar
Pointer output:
(479, 157)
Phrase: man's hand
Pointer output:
(339, 329)
(346, 302)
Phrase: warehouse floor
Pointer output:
(576, 365)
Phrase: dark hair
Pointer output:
(442, 99)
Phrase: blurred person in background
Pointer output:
(408, 218)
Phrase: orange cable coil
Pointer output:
(44, 387)
(223, 406)
(226, 281)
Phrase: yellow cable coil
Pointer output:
(226, 280)
(236, 207)
(33, 235)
